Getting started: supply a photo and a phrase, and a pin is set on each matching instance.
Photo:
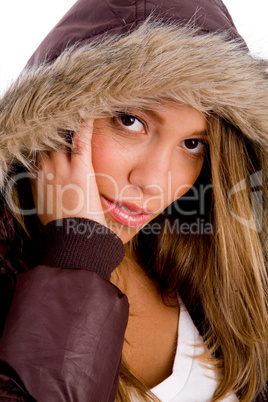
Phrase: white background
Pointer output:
(24, 23)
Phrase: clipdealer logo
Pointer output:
(253, 221)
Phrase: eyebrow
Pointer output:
(202, 133)
(155, 116)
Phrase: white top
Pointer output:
(190, 380)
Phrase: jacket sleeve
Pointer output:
(64, 333)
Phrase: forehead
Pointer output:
(178, 115)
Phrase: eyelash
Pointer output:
(197, 154)
(120, 125)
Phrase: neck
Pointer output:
(131, 278)
(151, 334)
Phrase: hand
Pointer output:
(66, 185)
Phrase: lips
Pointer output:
(127, 213)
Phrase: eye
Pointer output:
(195, 146)
(131, 122)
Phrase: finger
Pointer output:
(55, 166)
(81, 158)
(59, 160)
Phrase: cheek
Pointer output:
(101, 156)
(185, 178)
(109, 164)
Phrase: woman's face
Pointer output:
(145, 160)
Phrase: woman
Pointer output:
(137, 128)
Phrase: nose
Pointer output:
(151, 171)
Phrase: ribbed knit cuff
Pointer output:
(83, 244)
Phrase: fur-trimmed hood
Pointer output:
(182, 51)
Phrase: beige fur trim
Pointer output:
(154, 62)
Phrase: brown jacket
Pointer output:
(64, 333)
